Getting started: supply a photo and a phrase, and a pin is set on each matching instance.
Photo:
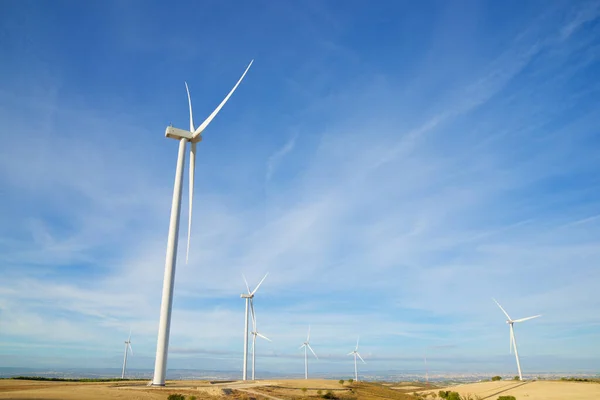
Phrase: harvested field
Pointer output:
(535, 390)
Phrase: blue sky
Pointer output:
(392, 166)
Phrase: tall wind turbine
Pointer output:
(513, 341)
(426, 369)
(127, 347)
(193, 136)
(255, 333)
(355, 353)
(306, 346)
(249, 302)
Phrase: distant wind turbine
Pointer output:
(306, 346)
(426, 369)
(127, 347)
(193, 136)
(255, 333)
(355, 353)
(249, 303)
(513, 341)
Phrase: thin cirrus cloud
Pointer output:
(396, 215)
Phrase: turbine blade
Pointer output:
(246, 282)
(253, 314)
(349, 354)
(308, 336)
(191, 201)
(361, 359)
(310, 348)
(526, 319)
(505, 313)
(511, 339)
(302, 346)
(263, 336)
(130, 349)
(357, 342)
(129, 338)
(260, 283)
(190, 104)
(214, 113)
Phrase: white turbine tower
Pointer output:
(255, 333)
(127, 347)
(355, 353)
(306, 346)
(183, 136)
(249, 298)
(513, 341)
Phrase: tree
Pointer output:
(341, 381)
(516, 378)
(496, 378)
(350, 380)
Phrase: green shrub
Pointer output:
(443, 394)
(304, 390)
(507, 398)
(453, 396)
(176, 396)
(341, 381)
(319, 392)
(329, 395)
(496, 378)
(192, 398)
(350, 380)
(516, 378)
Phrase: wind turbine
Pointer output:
(513, 341)
(249, 302)
(255, 333)
(426, 369)
(127, 347)
(306, 346)
(355, 353)
(194, 135)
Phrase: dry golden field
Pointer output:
(288, 390)
(271, 389)
(536, 390)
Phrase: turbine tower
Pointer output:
(249, 302)
(355, 353)
(306, 346)
(513, 341)
(255, 333)
(192, 136)
(127, 347)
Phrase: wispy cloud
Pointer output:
(389, 220)
(278, 156)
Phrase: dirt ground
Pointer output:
(269, 389)
(537, 390)
(285, 389)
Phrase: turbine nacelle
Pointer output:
(178, 134)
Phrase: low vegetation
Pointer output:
(449, 395)
(176, 396)
(573, 379)
(496, 378)
(341, 381)
(507, 398)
